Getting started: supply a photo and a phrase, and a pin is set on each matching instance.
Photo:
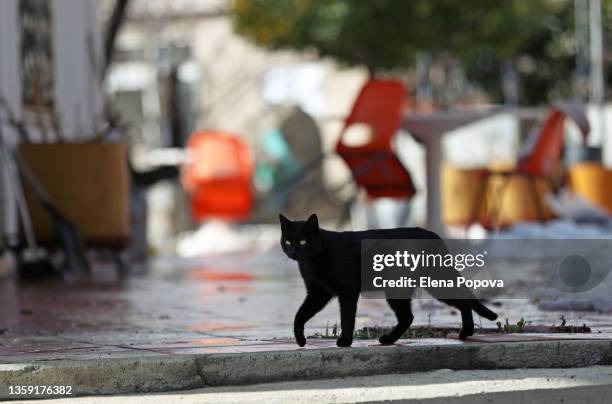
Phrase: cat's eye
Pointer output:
(302, 242)
(287, 242)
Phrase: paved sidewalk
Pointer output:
(242, 303)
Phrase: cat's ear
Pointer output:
(313, 222)
(283, 221)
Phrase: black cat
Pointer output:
(329, 263)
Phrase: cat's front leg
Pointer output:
(348, 310)
(314, 302)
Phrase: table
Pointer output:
(429, 129)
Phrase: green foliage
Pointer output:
(386, 34)
(534, 36)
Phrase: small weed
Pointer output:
(508, 328)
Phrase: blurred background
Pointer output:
(139, 134)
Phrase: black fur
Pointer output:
(329, 265)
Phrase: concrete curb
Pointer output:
(165, 373)
(104, 376)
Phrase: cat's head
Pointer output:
(300, 239)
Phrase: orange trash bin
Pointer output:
(219, 176)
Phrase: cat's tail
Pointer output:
(480, 309)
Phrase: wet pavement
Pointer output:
(233, 303)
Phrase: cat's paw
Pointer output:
(300, 340)
(463, 334)
(344, 342)
(386, 340)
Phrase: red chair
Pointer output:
(219, 177)
(541, 155)
(375, 167)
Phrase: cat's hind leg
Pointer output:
(467, 321)
(403, 311)
(467, 324)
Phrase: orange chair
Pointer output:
(375, 167)
(542, 155)
(219, 177)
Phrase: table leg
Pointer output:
(433, 161)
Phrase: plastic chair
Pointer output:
(219, 177)
(541, 156)
(545, 156)
(375, 166)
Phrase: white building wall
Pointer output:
(77, 90)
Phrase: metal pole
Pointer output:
(581, 35)
(597, 77)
